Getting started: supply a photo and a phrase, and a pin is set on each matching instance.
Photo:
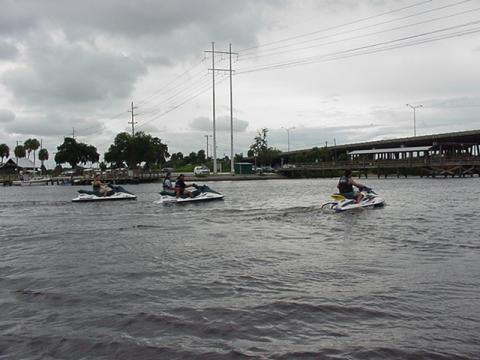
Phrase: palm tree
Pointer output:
(43, 156)
(31, 145)
(4, 151)
(19, 151)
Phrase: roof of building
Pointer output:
(391, 150)
(23, 163)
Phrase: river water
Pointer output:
(263, 274)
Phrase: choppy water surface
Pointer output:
(264, 274)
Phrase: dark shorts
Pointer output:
(349, 195)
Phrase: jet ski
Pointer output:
(340, 203)
(201, 193)
(115, 192)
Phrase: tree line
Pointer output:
(134, 151)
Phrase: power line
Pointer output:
(334, 55)
(181, 104)
(336, 26)
(294, 47)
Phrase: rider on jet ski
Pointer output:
(180, 187)
(98, 186)
(346, 184)
(167, 184)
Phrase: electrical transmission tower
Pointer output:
(229, 70)
(133, 122)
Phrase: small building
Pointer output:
(243, 168)
(13, 166)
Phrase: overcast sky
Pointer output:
(329, 70)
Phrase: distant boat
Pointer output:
(33, 181)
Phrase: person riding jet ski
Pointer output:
(180, 187)
(345, 186)
(99, 187)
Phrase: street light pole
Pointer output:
(288, 136)
(414, 117)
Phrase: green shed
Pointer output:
(243, 168)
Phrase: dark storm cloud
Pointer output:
(64, 73)
(81, 53)
(6, 116)
(7, 51)
(222, 123)
(133, 19)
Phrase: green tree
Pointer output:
(201, 157)
(31, 145)
(19, 151)
(58, 170)
(191, 158)
(43, 156)
(4, 151)
(133, 150)
(260, 149)
(74, 153)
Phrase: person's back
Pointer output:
(167, 184)
(345, 186)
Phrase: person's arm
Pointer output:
(358, 185)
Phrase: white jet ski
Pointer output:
(201, 193)
(114, 193)
(340, 203)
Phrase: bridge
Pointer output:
(448, 154)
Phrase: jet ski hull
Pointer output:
(351, 205)
(369, 200)
(94, 198)
(201, 194)
(115, 193)
(168, 199)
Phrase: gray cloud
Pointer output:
(53, 125)
(152, 18)
(7, 51)
(6, 116)
(222, 123)
(72, 74)
(457, 102)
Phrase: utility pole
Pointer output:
(232, 170)
(133, 119)
(16, 160)
(414, 117)
(206, 137)
(288, 136)
(73, 133)
(335, 149)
